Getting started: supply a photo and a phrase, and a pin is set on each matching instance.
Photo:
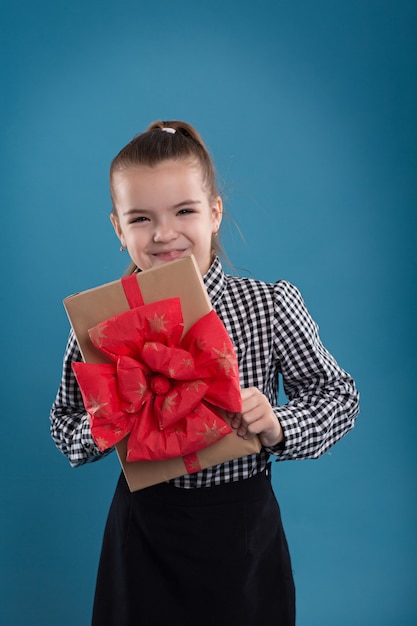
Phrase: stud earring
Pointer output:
(122, 248)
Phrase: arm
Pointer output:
(323, 401)
(70, 427)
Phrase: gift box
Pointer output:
(98, 314)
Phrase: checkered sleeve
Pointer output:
(70, 427)
(323, 401)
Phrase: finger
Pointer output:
(249, 429)
(254, 409)
(248, 393)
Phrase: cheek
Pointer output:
(137, 241)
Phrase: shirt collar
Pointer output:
(215, 281)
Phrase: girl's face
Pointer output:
(164, 213)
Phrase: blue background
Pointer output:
(309, 108)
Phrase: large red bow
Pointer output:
(161, 389)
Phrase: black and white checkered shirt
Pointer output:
(273, 334)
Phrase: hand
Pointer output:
(257, 418)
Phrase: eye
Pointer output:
(185, 211)
(140, 219)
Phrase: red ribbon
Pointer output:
(161, 389)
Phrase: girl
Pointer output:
(209, 547)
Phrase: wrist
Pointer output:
(274, 437)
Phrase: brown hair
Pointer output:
(156, 145)
(153, 146)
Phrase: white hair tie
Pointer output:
(169, 130)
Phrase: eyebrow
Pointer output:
(176, 206)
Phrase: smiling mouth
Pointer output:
(169, 255)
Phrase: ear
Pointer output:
(116, 225)
(217, 214)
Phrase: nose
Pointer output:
(164, 232)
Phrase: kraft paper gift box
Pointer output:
(177, 279)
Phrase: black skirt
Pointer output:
(215, 555)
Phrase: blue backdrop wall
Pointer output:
(309, 109)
